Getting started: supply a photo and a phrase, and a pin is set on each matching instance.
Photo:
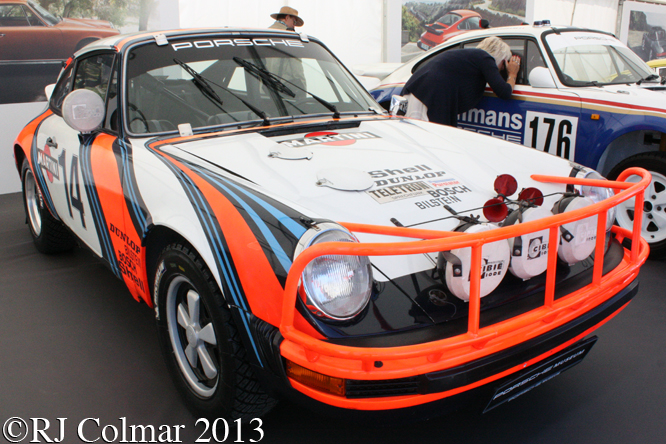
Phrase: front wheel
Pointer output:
(200, 342)
(653, 228)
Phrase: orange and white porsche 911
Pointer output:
(296, 241)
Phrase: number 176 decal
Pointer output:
(551, 133)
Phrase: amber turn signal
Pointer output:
(317, 381)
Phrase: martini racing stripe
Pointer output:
(236, 193)
(99, 220)
(37, 170)
(218, 246)
(137, 208)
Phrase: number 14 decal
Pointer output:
(72, 191)
(551, 133)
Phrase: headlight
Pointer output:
(597, 194)
(339, 287)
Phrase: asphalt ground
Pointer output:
(75, 345)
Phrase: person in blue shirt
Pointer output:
(454, 81)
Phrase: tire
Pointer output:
(216, 380)
(49, 235)
(654, 209)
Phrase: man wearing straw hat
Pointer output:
(287, 19)
(287, 67)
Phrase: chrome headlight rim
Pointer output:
(311, 237)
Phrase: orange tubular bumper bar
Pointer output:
(404, 361)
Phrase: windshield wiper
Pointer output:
(274, 79)
(648, 78)
(207, 90)
(200, 82)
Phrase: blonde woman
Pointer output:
(454, 81)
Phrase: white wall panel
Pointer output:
(353, 30)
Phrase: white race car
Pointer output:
(294, 240)
(580, 94)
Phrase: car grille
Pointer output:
(379, 389)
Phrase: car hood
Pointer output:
(381, 172)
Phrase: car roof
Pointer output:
(530, 30)
(122, 41)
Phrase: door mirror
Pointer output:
(540, 78)
(398, 105)
(83, 110)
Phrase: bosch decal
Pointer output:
(443, 196)
(216, 43)
(328, 138)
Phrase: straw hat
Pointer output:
(286, 10)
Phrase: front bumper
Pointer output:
(381, 378)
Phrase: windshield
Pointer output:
(46, 15)
(448, 19)
(171, 85)
(586, 58)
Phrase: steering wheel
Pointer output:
(140, 117)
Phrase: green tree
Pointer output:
(411, 24)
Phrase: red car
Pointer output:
(450, 24)
(28, 32)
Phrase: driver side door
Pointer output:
(546, 119)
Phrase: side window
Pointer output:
(473, 23)
(518, 48)
(62, 88)
(533, 59)
(426, 61)
(33, 20)
(112, 119)
(94, 73)
(12, 15)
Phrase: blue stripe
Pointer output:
(130, 188)
(272, 241)
(98, 214)
(218, 249)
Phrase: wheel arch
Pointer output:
(156, 239)
(19, 155)
(629, 142)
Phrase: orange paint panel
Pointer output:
(24, 139)
(126, 241)
(261, 287)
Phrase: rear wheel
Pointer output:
(200, 342)
(653, 227)
(48, 233)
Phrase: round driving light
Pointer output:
(597, 194)
(494, 264)
(532, 195)
(529, 252)
(495, 210)
(506, 185)
(338, 286)
(578, 238)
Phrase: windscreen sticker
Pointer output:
(328, 138)
(216, 43)
(567, 39)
